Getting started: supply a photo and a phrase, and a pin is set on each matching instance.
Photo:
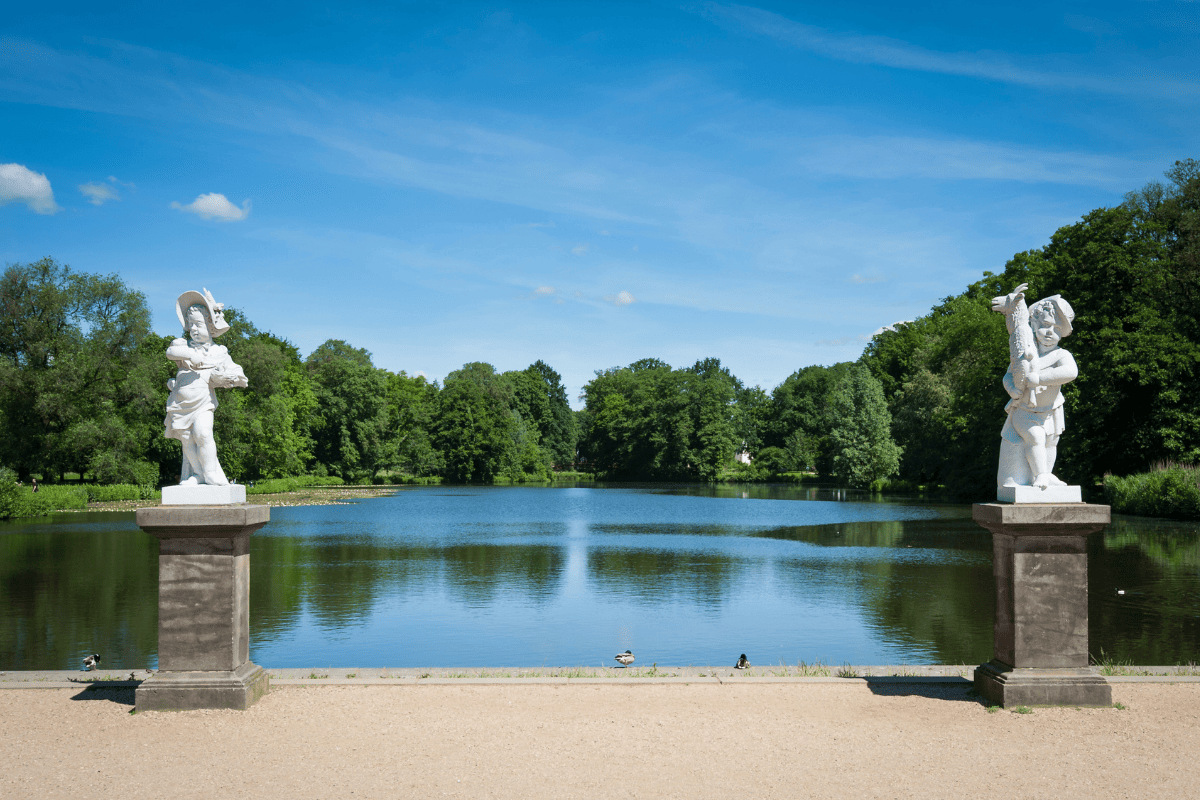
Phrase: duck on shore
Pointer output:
(91, 662)
(742, 662)
(625, 658)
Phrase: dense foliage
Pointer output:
(82, 387)
(1132, 274)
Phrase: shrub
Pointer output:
(18, 502)
(10, 493)
(774, 460)
(1172, 492)
(58, 496)
(282, 485)
(120, 491)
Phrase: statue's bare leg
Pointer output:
(206, 449)
(1051, 457)
(1036, 455)
(191, 461)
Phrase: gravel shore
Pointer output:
(533, 740)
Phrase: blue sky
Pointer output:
(588, 184)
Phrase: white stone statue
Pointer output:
(1037, 370)
(203, 367)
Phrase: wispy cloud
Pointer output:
(580, 249)
(215, 206)
(621, 298)
(98, 193)
(19, 184)
(888, 52)
(547, 291)
(859, 279)
(895, 157)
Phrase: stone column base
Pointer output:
(188, 691)
(1006, 686)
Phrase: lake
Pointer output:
(550, 576)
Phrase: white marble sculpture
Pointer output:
(1037, 370)
(203, 367)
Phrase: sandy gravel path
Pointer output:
(587, 740)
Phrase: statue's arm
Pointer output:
(1063, 369)
(178, 350)
(229, 374)
(1010, 386)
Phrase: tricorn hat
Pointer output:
(216, 311)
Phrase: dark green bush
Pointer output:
(1173, 493)
(120, 491)
(281, 485)
(10, 493)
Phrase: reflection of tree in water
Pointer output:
(1157, 620)
(336, 581)
(928, 590)
(65, 594)
(655, 575)
(475, 572)
(339, 582)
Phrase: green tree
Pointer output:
(75, 382)
(640, 426)
(711, 391)
(265, 429)
(861, 438)
(751, 417)
(351, 432)
(799, 420)
(474, 428)
(412, 403)
(648, 421)
(541, 399)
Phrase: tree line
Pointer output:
(83, 386)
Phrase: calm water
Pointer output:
(445, 576)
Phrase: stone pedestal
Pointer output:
(203, 607)
(1039, 561)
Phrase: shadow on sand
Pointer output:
(951, 689)
(122, 695)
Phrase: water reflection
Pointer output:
(529, 576)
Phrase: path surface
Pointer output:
(537, 740)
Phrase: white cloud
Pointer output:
(580, 249)
(621, 298)
(97, 193)
(21, 185)
(216, 206)
(861, 279)
(548, 291)
(894, 326)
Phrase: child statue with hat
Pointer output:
(1029, 439)
(203, 367)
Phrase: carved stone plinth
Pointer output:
(203, 607)
(1039, 562)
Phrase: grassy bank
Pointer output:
(1170, 490)
(21, 502)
